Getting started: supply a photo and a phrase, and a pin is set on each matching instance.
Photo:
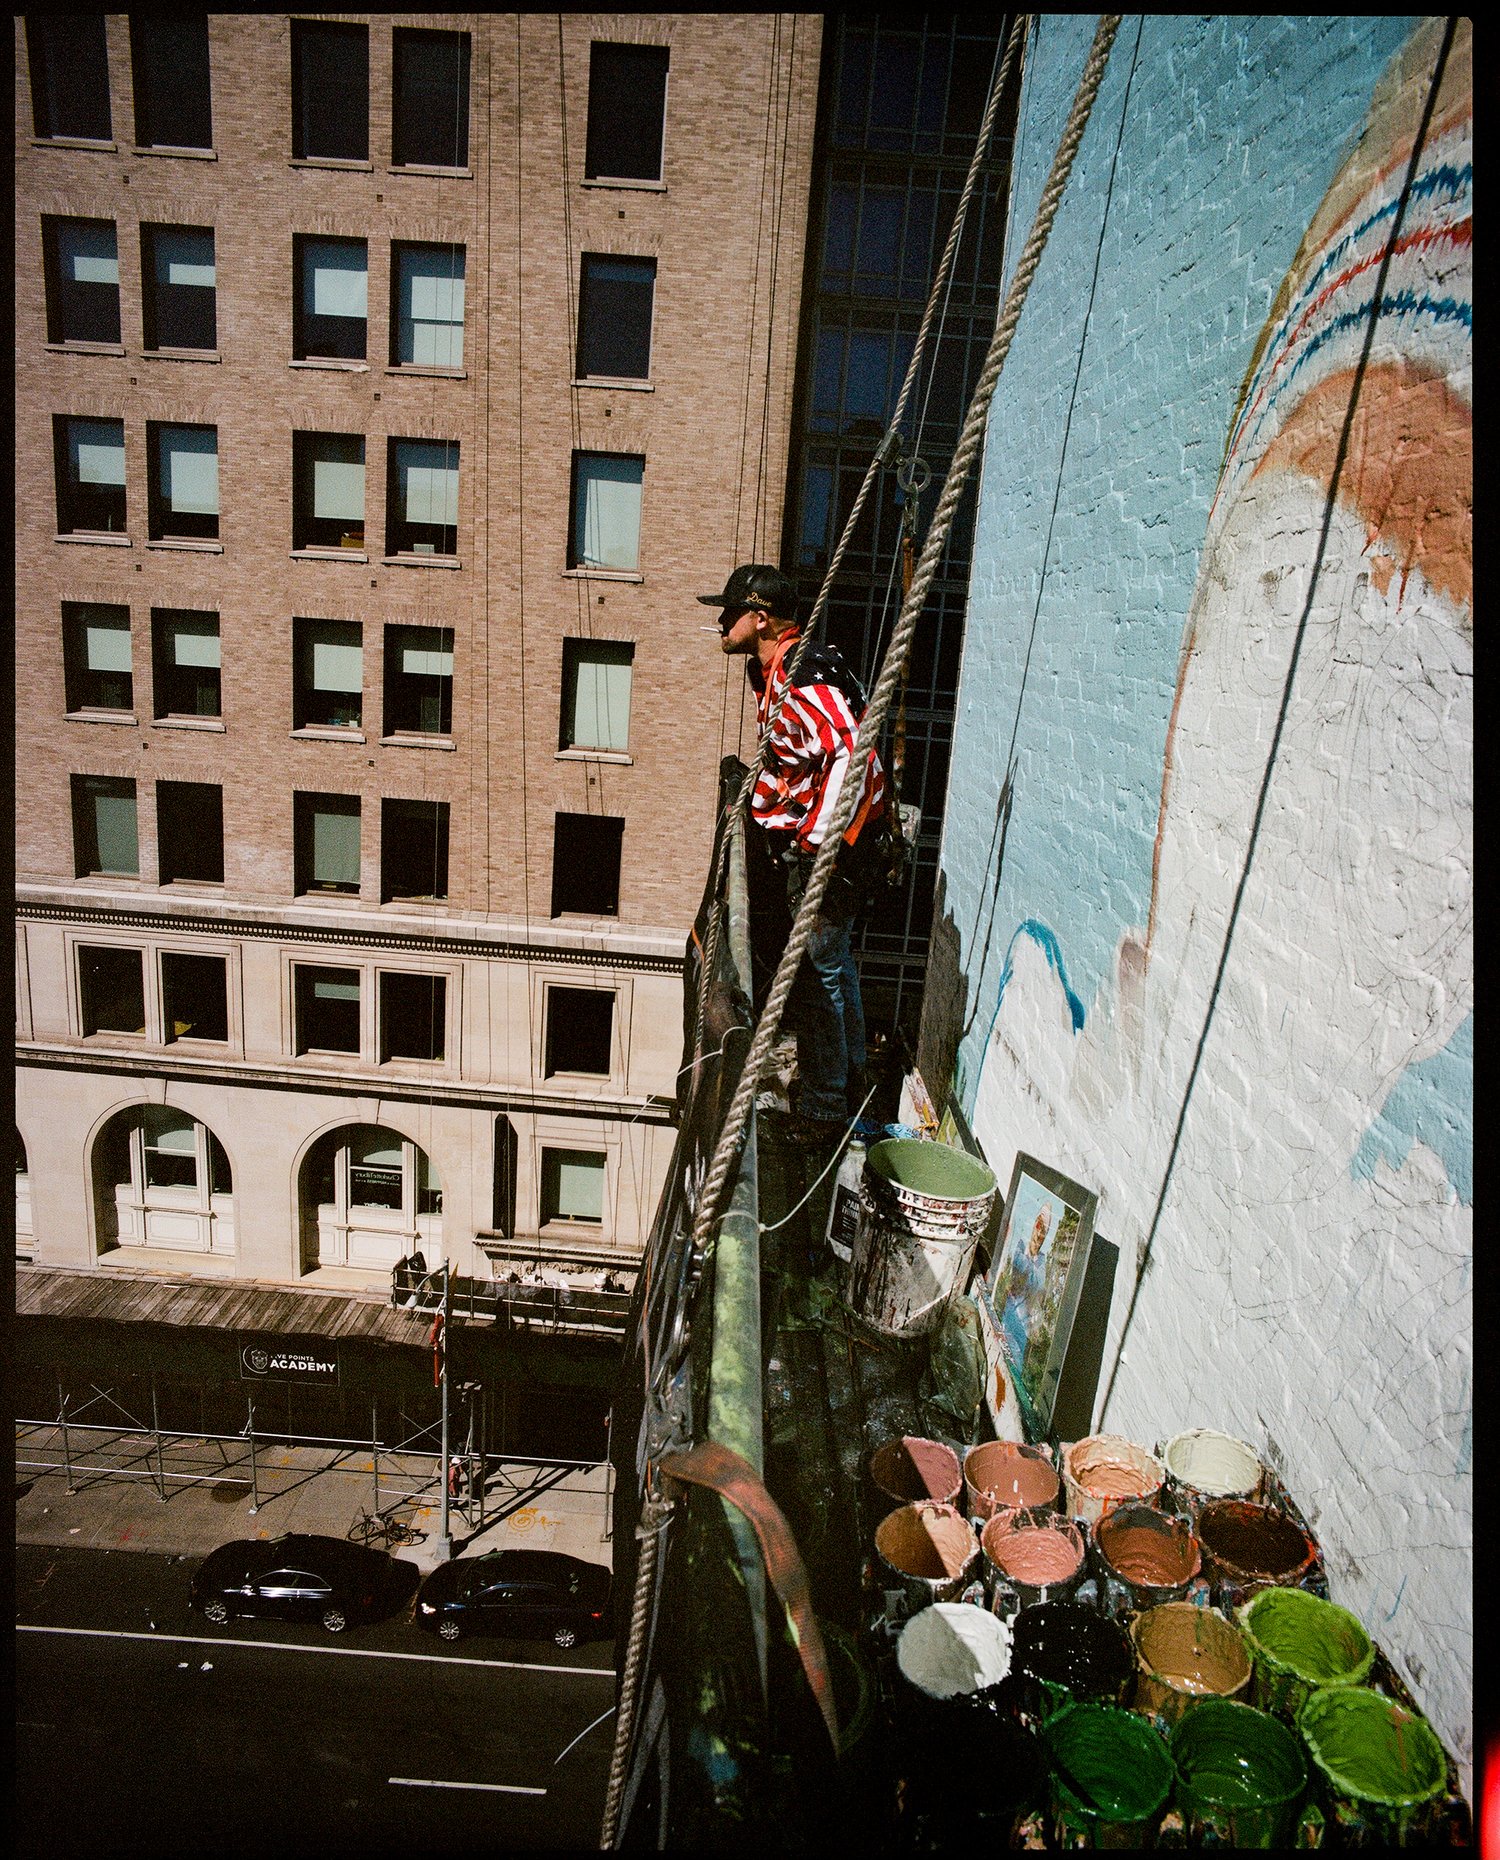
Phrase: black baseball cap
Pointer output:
(757, 584)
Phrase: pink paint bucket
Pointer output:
(911, 1468)
(1106, 1471)
(1030, 1557)
(1145, 1558)
(924, 1553)
(1002, 1475)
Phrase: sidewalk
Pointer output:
(562, 1507)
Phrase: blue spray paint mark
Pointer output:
(1433, 1103)
(1397, 1603)
(1045, 939)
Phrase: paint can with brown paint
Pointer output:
(1030, 1557)
(924, 1553)
(1248, 1547)
(911, 1468)
(1183, 1654)
(1143, 1557)
(1004, 1475)
(1203, 1464)
(1106, 1471)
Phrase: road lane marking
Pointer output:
(294, 1646)
(429, 1782)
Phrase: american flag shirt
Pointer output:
(811, 745)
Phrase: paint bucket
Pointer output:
(1144, 1558)
(1247, 1548)
(922, 1208)
(952, 1649)
(1203, 1464)
(1299, 1644)
(1071, 1652)
(1003, 1475)
(854, 1686)
(1105, 1471)
(1185, 1654)
(1111, 1777)
(926, 1553)
(1241, 1776)
(1383, 1767)
(910, 1468)
(1030, 1557)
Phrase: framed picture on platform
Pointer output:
(1031, 1293)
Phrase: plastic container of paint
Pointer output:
(1030, 1557)
(911, 1468)
(1106, 1471)
(924, 1553)
(1112, 1776)
(1184, 1654)
(1203, 1464)
(1004, 1475)
(1071, 1652)
(1248, 1547)
(843, 1210)
(1383, 1768)
(1241, 1776)
(1143, 1558)
(922, 1208)
(1299, 1644)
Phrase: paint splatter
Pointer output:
(1431, 1103)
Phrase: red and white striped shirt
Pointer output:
(810, 749)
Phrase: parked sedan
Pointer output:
(292, 1578)
(529, 1594)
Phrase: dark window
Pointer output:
(627, 106)
(507, 1154)
(412, 1011)
(190, 831)
(330, 301)
(327, 1003)
(195, 996)
(586, 865)
(104, 830)
(413, 849)
(327, 842)
(375, 1171)
(418, 680)
(90, 461)
(422, 497)
(572, 1186)
(96, 656)
(431, 103)
(179, 296)
(328, 491)
(580, 1028)
(596, 694)
(328, 659)
(169, 59)
(69, 75)
(614, 317)
(330, 91)
(183, 481)
(82, 266)
(185, 674)
(427, 306)
(112, 990)
(606, 530)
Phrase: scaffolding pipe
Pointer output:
(161, 1467)
(62, 1421)
(254, 1474)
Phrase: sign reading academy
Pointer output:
(288, 1359)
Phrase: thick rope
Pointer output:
(654, 1515)
(896, 654)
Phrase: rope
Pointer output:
(896, 655)
(654, 1515)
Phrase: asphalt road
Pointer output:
(140, 1730)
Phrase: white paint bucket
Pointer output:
(1203, 1464)
(922, 1208)
(953, 1648)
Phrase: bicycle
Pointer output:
(383, 1529)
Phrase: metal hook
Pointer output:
(907, 475)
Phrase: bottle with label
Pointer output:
(843, 1212)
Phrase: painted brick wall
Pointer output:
(1204, 929)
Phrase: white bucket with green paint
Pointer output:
(922, 1208)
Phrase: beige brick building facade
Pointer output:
(304, 1063)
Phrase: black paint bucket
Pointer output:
(1071, 1651)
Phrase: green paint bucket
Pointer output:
(1241, 1776)
(1111, 1777)
(1299, 1644)
(1384, 1767)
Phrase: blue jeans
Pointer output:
(830, 1021)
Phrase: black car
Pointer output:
(529, 1594)
(292, 1578)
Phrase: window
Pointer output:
(328, 671)
(606, 511)
(614, 317)
(179, 299)
(111, 990)
(331, 299)
(413, 850)
(431, 103)
(190, 832)
(90, 459)
(69, 76)
(330, 91)
(627, 107)
(427, 320)
(413, 1010)
(96, 656)
(580, 1030)
(184, 663)
(418, 680)
(328, 491)
(82, 266)
(596, 694)
(326, 831)
(104, 838)
(327, 1009)
(422, 498)
(183, 482)
(195, 996)
(572, 1186)
(169, 60)
(586, 865)
(375, 1172)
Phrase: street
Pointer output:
(142, 1730)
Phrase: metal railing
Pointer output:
(516, 1305)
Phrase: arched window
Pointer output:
(369, 1198)
(163, 1179)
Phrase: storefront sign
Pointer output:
(288, 1359)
